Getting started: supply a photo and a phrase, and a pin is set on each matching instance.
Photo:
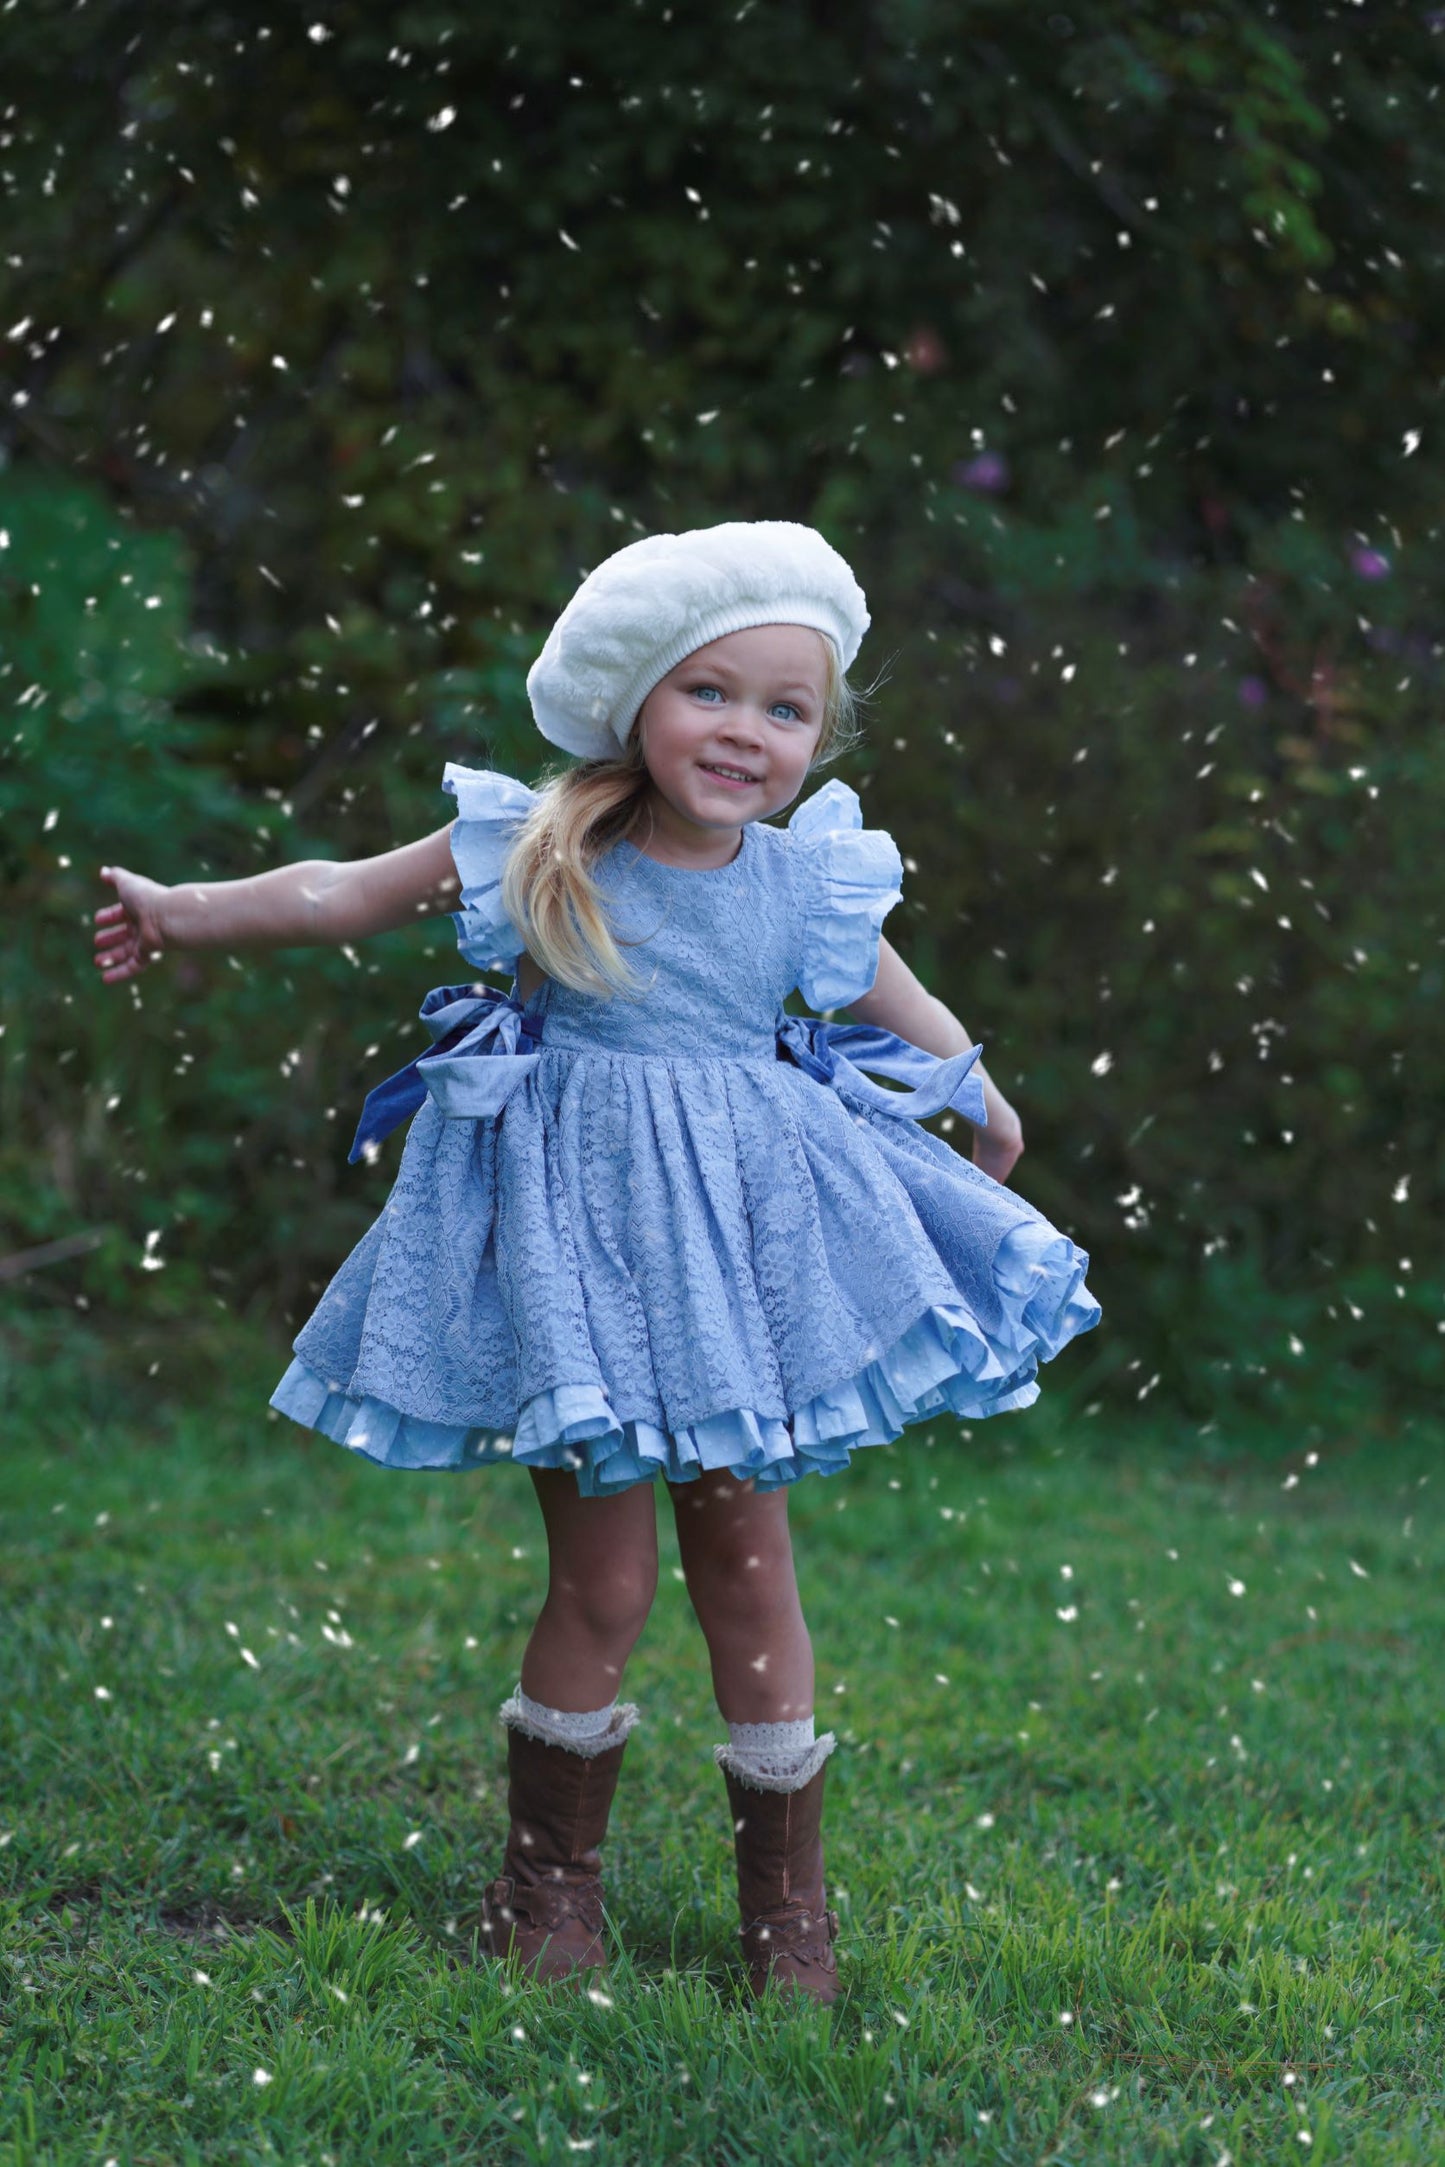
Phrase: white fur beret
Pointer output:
(642, 611)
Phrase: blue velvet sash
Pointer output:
(465, 1023)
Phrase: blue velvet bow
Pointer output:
(464, 1022)
(838, 1052)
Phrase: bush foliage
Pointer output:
(1106, 344)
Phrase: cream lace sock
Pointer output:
(587, 1731)
(774, 1756)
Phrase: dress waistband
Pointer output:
(465, 1024)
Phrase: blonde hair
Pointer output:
(548, 891)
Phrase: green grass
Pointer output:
(1201, 1818)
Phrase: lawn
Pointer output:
(1134, 1827)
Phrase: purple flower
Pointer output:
(1253, 692)
(1369, 564)
(987, 472)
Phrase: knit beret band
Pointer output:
(645, 609)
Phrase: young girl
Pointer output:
(646, 1223)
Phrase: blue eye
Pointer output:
(795, 712)
(699, 690)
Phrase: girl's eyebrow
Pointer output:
(725, 669)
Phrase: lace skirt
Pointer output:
(647, 1264)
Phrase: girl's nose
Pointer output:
(744, 728)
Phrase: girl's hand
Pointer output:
(128, 932)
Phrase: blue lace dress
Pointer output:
(683, 1230)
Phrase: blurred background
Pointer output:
(1106, 342)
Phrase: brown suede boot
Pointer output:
(543, 1913)
(787, 1931)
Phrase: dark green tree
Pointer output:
(1106, 342)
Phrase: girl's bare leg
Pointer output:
(602, 1576)
(737, 1559)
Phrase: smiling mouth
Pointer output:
(733, 775)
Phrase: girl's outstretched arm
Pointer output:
(901, 1003)
(312, 903)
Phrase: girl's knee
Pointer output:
(602, 1559)
(611, 1602)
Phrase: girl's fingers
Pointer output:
(119, 950)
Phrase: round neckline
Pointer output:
(695, 872)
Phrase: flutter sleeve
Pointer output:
(490, 809)
(848, 879)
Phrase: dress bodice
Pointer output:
(718, 953)
(719, 950)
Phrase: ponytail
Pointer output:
(548, 891)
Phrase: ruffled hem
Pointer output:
(944, 1364)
